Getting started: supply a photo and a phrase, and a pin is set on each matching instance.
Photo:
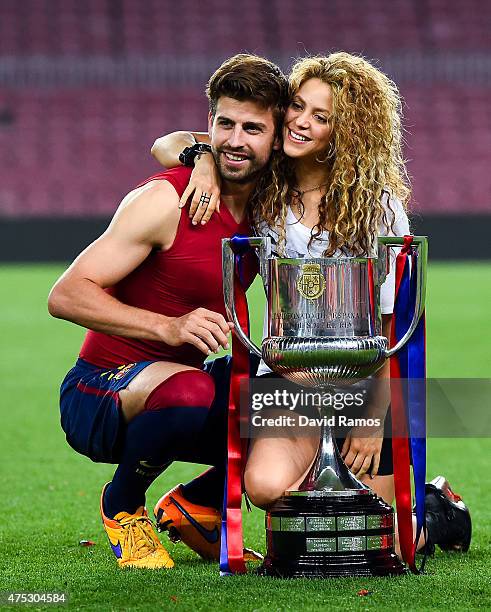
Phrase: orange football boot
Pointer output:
(197, 526)
(134, 541)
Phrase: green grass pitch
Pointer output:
(50, 495)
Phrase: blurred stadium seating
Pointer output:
(87, 85)
(141, 27)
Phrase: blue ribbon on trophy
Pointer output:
(231, 546)
(411, 361)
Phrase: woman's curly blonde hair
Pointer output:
(365, 159)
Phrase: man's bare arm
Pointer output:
(146, 219)
(166, 149)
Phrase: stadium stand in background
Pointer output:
(86, 85)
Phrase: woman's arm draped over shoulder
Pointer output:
(204, 185)
(166, 149)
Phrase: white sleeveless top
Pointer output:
(297, 246)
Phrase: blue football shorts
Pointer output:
(93, 422)
(90, 409)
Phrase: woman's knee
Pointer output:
(383, 486)
(263, 488)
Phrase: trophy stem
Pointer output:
(328, 471)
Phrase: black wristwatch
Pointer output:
(189, 154)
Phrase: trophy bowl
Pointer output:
(320, 362)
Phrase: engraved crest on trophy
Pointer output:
(311, 283)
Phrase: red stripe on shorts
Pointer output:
(97, 391)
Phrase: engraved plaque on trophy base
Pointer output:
(330, 534)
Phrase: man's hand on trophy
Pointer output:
(205, 329)
(361, 453)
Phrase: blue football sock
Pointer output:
(206, 489)
(153, 439)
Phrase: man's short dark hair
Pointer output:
(246, 77)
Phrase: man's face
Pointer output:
(242, 138)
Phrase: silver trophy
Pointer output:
(325, 328)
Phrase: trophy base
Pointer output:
(329, 534)
(343, 566)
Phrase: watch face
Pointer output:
(188, 155)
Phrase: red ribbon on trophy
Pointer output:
(232, 543)
(408, 406)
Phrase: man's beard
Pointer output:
(241, 176)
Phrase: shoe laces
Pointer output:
(139, 537)
(455, 496)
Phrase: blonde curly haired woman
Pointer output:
(340, 183)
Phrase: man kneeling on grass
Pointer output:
(150, 292)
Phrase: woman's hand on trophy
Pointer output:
(361, 453)
(204, 186)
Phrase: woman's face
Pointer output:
(308, 126)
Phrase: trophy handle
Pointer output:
(228, 272)
(421, 244)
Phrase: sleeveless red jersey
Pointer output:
(174, 282)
